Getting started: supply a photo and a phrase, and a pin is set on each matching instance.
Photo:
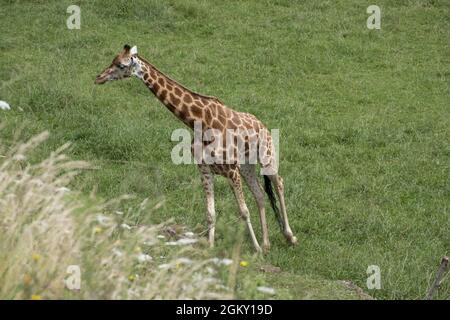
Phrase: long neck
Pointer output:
(182, 102)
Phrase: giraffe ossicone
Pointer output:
(191, 107)
(133, 50)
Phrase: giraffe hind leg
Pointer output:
(277, 181)
(248, 171)
(235, 182)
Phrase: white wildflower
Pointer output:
(63, 190)
(184, 261)
(267, 290)
(19, 157)
(144, 257)
(186, 241)
(125, 226)
(4, 105)
(117, 252)
(225, 261)
(103, 220)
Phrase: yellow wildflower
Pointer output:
(243, 263)
(36, 297)
(35, 257)
(97, 230)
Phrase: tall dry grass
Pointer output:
(45, 228)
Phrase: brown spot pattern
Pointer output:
(187, 98)
(177, 91)
(174, 99)
(196, 111)
(164, 94)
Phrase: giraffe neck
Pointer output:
(182, 102)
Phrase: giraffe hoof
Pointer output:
(259, 250)
(293, 240)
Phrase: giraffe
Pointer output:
(191, 107)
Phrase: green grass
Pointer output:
(363, 114)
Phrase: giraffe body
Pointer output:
(191, 107)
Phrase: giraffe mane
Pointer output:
(179, 84)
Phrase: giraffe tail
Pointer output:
(273, 201)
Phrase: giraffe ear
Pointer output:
(133, 51)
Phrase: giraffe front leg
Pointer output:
(235, 182)
(208, 187)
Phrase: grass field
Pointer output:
(364, 119)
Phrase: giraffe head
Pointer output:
(121, 67)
